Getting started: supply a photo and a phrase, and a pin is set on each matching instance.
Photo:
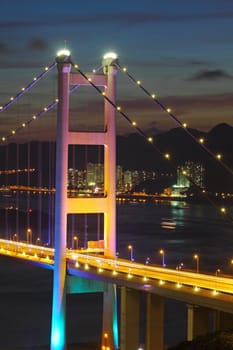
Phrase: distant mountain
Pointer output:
(220, 138)
(183, 145)
(133, 153)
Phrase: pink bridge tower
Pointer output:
(64, 205)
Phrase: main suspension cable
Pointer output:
(28, 87)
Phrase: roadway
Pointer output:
(191, 287)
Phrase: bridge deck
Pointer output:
(209, 290)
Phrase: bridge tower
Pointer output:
(64, 205)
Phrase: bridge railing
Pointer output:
(95, 260)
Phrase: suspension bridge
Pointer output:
(93, 265)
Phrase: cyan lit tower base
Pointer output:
(65, 205)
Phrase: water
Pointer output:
(196, 229)
(25, 290)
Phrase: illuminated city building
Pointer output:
(95, 174)
(93, 177)
(77, 179)
(189, 174)
(119, 179)
(127, 178)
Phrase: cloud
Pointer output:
(169, 63)
(7, 64)
(200, 112)
(4, 48)
(127, 18)
(211, 75)
(35, 45)
(180, 105)
(187, 103)
(38, 44)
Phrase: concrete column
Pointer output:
(197, 321)
(129, 319)
(110, 320)
(154, 322)
(110, 159)
(58, 334)
(222, 320)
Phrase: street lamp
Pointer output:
(162, 252)
(29, 235)
(196, 257)
(115, 260)
(75, 239)
(130, 247)
(217, 272)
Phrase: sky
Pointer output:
(182, 50)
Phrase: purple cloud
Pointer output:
(211, 75)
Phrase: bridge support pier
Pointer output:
(197, 321)
(129, 318)
(154, 322)
(222, 320)
(110, 320)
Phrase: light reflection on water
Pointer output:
(198, 230)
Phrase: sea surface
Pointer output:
(180, 230)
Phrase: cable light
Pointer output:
(28, 87)
(45, 109)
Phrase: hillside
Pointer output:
(134, 152)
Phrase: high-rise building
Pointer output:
(76, 179)
(127, 178)
(190, 173)
(93, 178)
(95, 174)
(119, 179)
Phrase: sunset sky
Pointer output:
(182, 50)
